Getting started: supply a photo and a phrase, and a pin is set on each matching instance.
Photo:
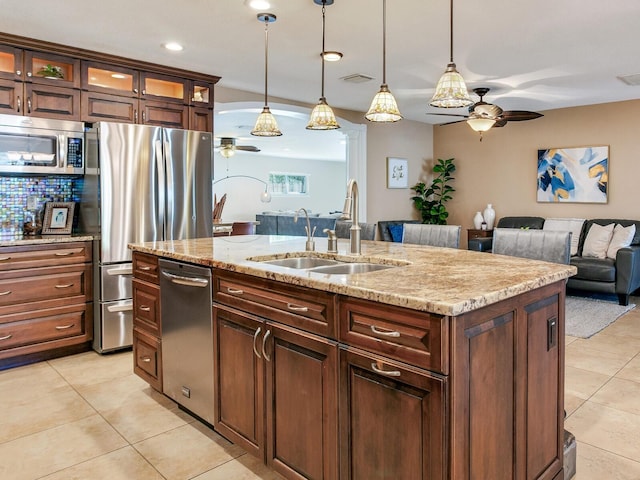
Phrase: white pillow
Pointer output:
(622, 237)
(597, 241)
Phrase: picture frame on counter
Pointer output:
(58, 218)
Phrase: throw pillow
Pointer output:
(597, 241)
(622, 237)
(396, 232)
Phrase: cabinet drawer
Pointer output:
(33, 256)
(145, 267)
(51, 284)
(418, 338)
(42, 326)
(146, 306)
(307, 309)
(147, 358)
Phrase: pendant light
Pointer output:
(451, 91)
(322, 116)
(266, 125)
(384, 107)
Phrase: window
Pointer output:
(288, 183)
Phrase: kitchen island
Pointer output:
(447, 364)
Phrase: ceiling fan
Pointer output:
(483, 116)
(228, 147)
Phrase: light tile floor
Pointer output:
(88, 417)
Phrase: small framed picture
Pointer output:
(58, 218)
(397, 173)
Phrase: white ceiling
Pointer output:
(535, 55)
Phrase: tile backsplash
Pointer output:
(16, 190)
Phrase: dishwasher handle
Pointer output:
(187, 281)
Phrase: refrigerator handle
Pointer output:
(161, 182)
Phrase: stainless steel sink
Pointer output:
(302, 262)
(350, 268)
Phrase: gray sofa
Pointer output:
(284, 224)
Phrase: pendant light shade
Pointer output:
(383, 106)
(451, 91)
(481, 124)
(322, 116)
(266, 124)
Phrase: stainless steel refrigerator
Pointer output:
(142, 183)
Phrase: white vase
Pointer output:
(489, 216)
(477, 221)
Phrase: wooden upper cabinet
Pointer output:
(164, 88)
(110, 79)
(48, 68)
(11, 63)
(201, 94)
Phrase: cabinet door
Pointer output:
(302, 392)
(164, 114)
(110, 79)
(52, 102)
(98, 107)
(10, 97)
(201, 119)
(11, 63)
(202, 94)
(239, 379)
(49, 69)
(164, 88)
(392, 420)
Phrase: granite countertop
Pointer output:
(438, 280)
(19, 239)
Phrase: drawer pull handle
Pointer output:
(264, 341)
(6, 292)
(391, 373)
(255, 339)
(66, 285)
(389, 333)
(144, 308)
(235, 291)
(6, 337)
(120, 271)
(64, 327)
(297, 308)
(146, 359)
(144, 269)
(63, 254)
(4, 259)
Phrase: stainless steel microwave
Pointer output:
(41, 146)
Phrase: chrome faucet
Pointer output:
(350, 212)
(310, 245)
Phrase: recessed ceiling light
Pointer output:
(173, 46)
(258, 4)
(331, 56)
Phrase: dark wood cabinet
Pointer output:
(164, 114)
(11, 62)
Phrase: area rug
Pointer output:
(584, 317)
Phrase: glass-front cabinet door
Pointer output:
(202, 95)
(110, 79)
(164, 87)
(52, 69)
(11, 63)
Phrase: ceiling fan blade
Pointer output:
(449, 115)
(247, 148)
(520, 115)
(501, 122)
(451, 123)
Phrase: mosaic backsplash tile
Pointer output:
(15, 192)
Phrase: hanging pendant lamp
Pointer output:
(322, 116)
(383, 106)
(266, 125)
(451, 91)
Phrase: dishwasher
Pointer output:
(187, 336)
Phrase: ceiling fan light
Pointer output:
(451, 91)
(322, 117)
(383, 107)
(481, 124)
(266, 125)
(227, 152)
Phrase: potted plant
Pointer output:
(430, 199)
(51, 71)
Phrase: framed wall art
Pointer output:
(573, 175)
(397, 172)
(58, 218)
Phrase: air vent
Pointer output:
(633, 79)
(357, 78)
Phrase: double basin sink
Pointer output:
(328, 266)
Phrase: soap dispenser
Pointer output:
(332, 241)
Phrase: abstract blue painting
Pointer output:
(577, 174)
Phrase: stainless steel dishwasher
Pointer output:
(187, 336)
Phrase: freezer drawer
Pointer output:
(115, 330)
(115, 282)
